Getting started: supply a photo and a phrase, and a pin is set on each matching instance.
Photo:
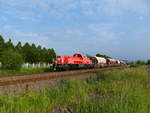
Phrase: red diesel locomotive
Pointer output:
(76, 61)
(79, 61)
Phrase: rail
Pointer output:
(12, 80)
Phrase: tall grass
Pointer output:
(118, 91)
(126, 91)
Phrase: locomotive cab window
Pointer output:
(78, 55)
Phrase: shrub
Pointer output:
(11, 60)
(137, 63)
(148, 62)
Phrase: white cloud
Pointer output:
(115, 7)
(73, 38)
(35, 9)
(119, 6)
(104, 32)
(87, 37)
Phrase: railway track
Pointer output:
(21, 79)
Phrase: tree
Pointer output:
(44, 55)
(39, 54)
(50, 56)
(1, 45)
(9, 45)
(30, 53)
(148, 62)
(11, 60)
(19, 46)
(139, 62)
(34, 54)
(1, 41)
(104, 56)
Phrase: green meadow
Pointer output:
(26, 71)
(118, 91)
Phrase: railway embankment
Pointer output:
(11, 85)
(115, 91)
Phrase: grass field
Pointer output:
(25, 71)
(118, 91)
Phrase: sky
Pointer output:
(118, 28)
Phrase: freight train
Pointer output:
(79, 61)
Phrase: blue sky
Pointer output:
(119, 28)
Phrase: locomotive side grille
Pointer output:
(77, 62)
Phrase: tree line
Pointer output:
(139, 63)
(101, 55)
(29, 52)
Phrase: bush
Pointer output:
(137, 63)
(148, 62)
(11, 60)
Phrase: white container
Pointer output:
(118, 61)
(101, 60)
